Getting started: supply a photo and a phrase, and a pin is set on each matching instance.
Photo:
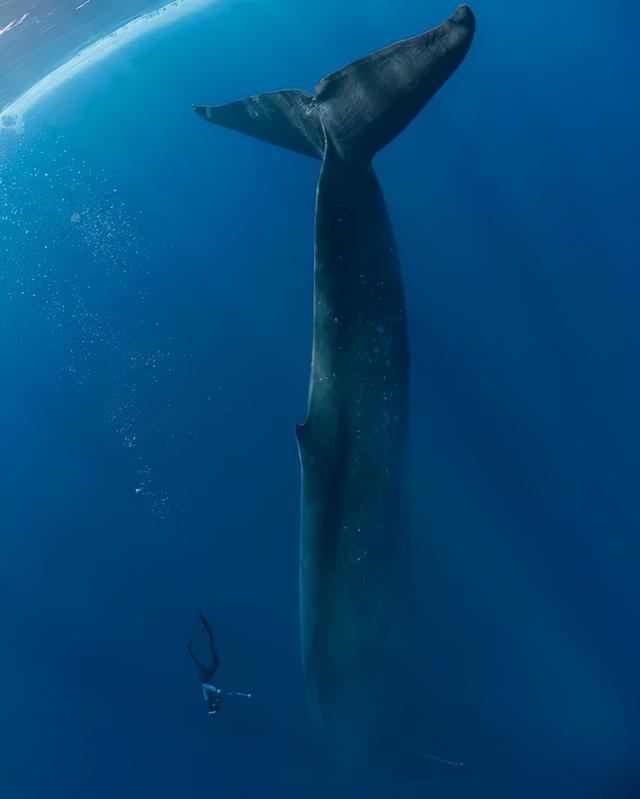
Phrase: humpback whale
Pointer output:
(354, 541)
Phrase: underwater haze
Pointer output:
(156, 279)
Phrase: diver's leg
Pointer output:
(201, 666)
(214, 655)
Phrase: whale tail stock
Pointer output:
(361, 107)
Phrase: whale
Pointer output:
(355, 549)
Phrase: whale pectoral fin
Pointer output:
(288, 119)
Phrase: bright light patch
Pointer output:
(12, 117)
(13, 24)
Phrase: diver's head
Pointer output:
(214, 705)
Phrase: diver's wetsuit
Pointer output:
(212, 695)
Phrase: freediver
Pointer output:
(212, 695)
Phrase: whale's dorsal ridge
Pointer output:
(303, 437)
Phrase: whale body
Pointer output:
(354, 542)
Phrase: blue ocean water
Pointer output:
(156, 279)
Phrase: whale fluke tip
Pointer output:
(464, 15)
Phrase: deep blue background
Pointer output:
(155, 336)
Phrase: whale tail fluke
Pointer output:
(286, 118)
(361, 107)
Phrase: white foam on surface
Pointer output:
(13, 116)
